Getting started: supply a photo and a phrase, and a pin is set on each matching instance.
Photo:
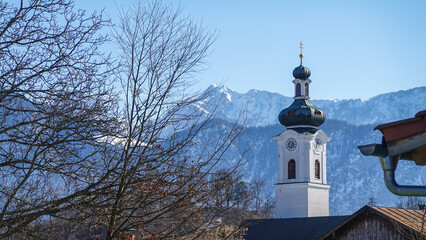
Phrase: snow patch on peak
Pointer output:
(225, 91)
(218, 87)
(261, 108)
(201, 108)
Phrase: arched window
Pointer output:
(291, 169)
(317, 169)
(307, 89)
(298, 90)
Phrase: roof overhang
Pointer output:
(407, 137)
(406, 140)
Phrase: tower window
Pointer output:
(298, 90)
(317, 169)
(306, 89)
(291, 169)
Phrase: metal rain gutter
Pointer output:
(389, 164)
(402, 140)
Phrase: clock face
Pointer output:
(291, 144)
(317, 143)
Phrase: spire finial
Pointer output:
(301, 52)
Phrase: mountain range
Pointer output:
(354, 178)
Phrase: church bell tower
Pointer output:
(302, 189)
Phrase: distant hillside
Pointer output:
(353, 178)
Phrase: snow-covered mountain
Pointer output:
(353, 178)
(261, 107)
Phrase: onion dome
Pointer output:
(301, 112)
(301, 72)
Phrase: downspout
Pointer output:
(389, 164)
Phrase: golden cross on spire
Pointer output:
(301, 52)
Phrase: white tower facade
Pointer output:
(302, 189)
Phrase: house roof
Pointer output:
(407, 136)
(401, 129)
(407, 218)
(290, 228)
(411, 218)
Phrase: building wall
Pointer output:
(291, 200)
(318, 200)
(305, 155)
(301, 200)
(305, 195)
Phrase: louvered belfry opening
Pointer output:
(317, 169)
(291, 169)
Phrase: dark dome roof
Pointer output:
(301, 112)
(301, 72)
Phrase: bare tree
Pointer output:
(372, 201)
(417, 221)
(410, 202)
(257, 187)
(55, 103)
(415, 226)
(164, 183)
(70, 160)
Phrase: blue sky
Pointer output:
(355, 49)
